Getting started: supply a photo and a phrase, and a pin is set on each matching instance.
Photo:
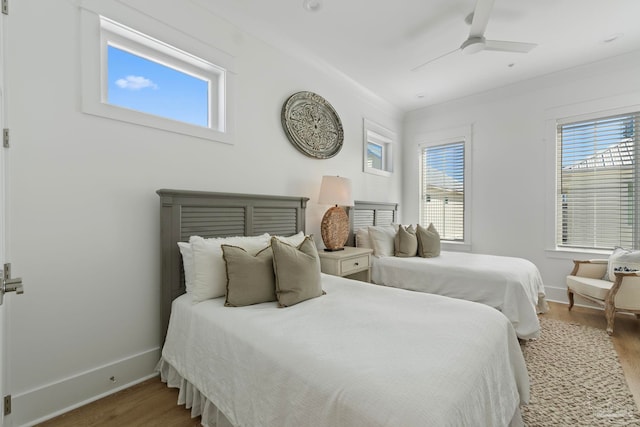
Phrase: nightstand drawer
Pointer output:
(354, 264)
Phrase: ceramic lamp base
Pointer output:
(334, 228)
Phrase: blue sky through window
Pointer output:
(143, 85)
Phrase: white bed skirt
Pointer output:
(211, 416)
(191, 397)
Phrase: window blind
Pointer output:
(442, 199)
(597, 185)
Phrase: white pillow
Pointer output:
(624, 260)
(187, 264)
(383, 239)
(294, 240)
(209, 269)
(362, 238)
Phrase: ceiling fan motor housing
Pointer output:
(473, 45)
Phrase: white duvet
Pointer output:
(361, 355)
(512, 285)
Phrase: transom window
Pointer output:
(131, 76)
(597, 183)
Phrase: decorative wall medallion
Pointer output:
(312, 125)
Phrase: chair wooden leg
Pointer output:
(570, 294)
(610, 314)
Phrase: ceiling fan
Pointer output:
(476, 42)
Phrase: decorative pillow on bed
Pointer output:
(294, 240)
(383, 239)
(622, 260)
(406, 242)
(210, 274)
(428, 241)
(297, 271)
(250, 278)
(362, 238)
(187, 264)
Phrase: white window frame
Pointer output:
(443, 137)
(201, 61)
(376, 134)
(588, 110)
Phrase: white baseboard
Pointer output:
(556, 294)
(560, 295)
(51, 400)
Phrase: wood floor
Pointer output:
(153, 404)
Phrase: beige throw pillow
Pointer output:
(428, 241)
(297, 271)
(406, 242)
(209, 271)
(250, 279)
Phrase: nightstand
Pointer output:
(354, 263)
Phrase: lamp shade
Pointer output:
(335, 190)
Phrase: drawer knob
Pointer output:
(357, 263)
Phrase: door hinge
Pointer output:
(5, 137)
(9, 284)
(5, 7)
(7, 404)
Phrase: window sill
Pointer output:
(375, 171)
(139, 118)
(559, 253)
(455, 247)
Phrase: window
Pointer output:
(378, 149)
(597, 183)
(140, 84)
(131, 76)
(442, 170)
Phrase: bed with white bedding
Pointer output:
(512, 285)
(360, 355)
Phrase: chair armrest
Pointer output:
(626, 278)
(593, 268)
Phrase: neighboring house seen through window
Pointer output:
(442, 171)
(597, 183)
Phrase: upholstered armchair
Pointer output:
(590, 280)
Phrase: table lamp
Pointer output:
(335, 190)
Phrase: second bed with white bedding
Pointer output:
(512, 285)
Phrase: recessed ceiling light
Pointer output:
(312, 5)
(612, 37)
(420, 95)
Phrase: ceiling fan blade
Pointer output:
(503, 46)
(416, 68)
(480, 18)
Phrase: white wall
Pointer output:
(83, 216)
(513, 181)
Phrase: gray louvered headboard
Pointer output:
(198, 213)
(364, 214)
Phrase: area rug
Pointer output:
(576, 379)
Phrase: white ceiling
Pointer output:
(378, 42)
